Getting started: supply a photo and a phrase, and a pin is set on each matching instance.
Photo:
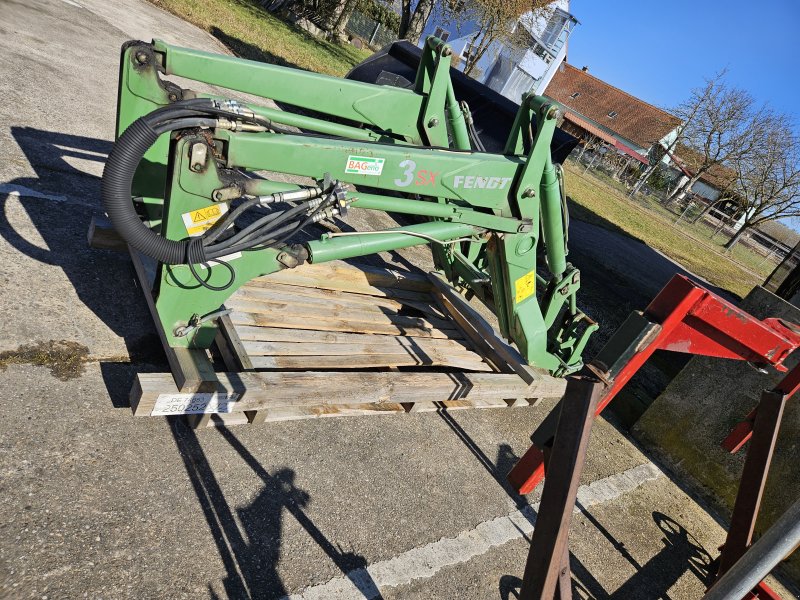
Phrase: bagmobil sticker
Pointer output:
(364, 165)
(197, 221)
(525, 286)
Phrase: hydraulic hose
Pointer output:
(116, 193)
(121, 166)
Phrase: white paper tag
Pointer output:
(194, 404)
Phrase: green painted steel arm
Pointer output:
(410, 147)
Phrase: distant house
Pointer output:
(593, 107)
(717, 187)
(776, 237)
(712, 184)
(512, 69)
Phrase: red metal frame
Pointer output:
(695, 321)
(742, 432)
(686, 317)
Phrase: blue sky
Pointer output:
(659, 50)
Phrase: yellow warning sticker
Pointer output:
(197, 221)
(525, 286)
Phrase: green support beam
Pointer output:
(410, 148)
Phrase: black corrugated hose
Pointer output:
(121, 165)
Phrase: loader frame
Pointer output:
(408, 150)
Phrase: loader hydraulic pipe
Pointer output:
(424, 208)
(552, 220)
(455, 116)
(350, 246)
(317, 125)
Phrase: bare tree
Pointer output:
(331, 15)
(340, 17)
(720, 128)
(688, 113)
(768, 175)
(412, 22)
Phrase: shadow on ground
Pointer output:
(251, 552)
(104, 281)
(681, 552)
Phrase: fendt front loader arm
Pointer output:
(179, 188)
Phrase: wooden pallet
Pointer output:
(336, 340)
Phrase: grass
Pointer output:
(702, 232)
(251, 32)
(597, 202)
(740, 253)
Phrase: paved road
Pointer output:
(98, 505)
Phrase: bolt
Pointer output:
(141, 57)
(199, 153)
(433, 122)
(173, 97)
(529, 193)
(447, 51)
(552, 113)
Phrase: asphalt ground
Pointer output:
(99, 505)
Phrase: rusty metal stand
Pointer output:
(684, 317)
(547, 573)
(761, 428)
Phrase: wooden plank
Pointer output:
(221, 344)
(271, 389)
(290, 278)
(334, 299)
(367, 361)
(394, 328)
(419, 407)
(476, 328)
(318, 412)
(358, 275)
(235, 358)
(234, 343)
(281, 334)
(227, 420)
(378, 344)
(460, 404)
(419, 299)
(333, 313)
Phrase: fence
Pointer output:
(374, 33)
